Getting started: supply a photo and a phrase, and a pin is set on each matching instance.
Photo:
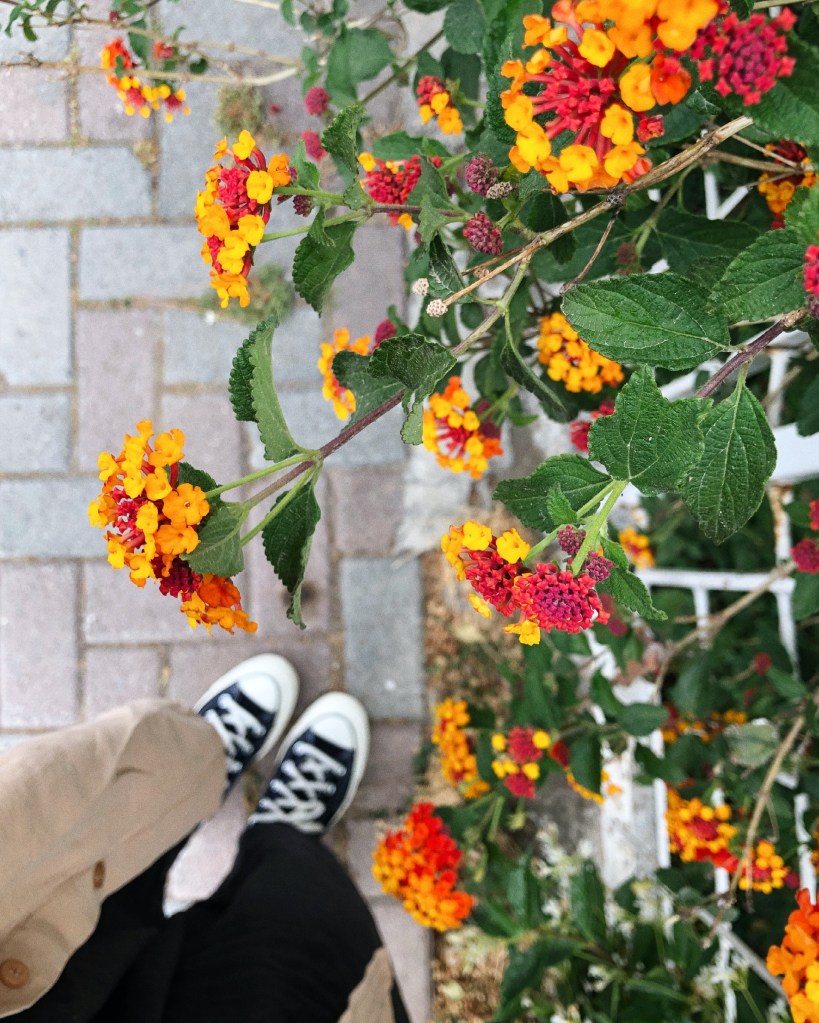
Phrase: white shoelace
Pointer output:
(301, 811)
(233, 724)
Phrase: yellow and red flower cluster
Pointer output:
(705, 729)
(435, 101)
(458, 763)
(544, 596)
(517, 760)
(589, 85)
(419, 866)
(232, 212)
(560, 754)
(462, 440)
(779, 188)
(570, 361)
(637, 547)
(134, 94)
(696, 831)
(153, 519)
(343, 399)
(796, 960)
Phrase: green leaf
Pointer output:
(287, 539)
(309, 175)
(412, 429)
(802, 214)
(658, 767)
(358, 55)
(525, 968)
(753, 744)
(353, 372)
(395, 146)
(685, 238)
(785, 684)
(240, 377)
(414, 361)
(727, 485)
(791, 109)
(425, 6)
(588, 899)
(278, 444)
(526, 497)
(649, 440)
(339, 138)
(604, 697)
(464, 26)
(494, 921)
(807, 421)
(742, 7)
(585, 761)
(518, 368)
(430, 221)
(316, 266)
(443, 276)
(220, 549)
(628, 590)
(641, 718)
(559, 507)
(765, 279)
(692, 690)
(805, 600)
(647, 319)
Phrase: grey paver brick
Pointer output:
(113, 677)
(186, 152)
(34, 428)
(38, 651)
(387, 784)
(296, 348)
(368, 504)
(199, 349)
(116, 357)
(48, 518)
(101, 113)
(93, 183)
(362, 837)
(36, 330)
(212, 435)
(374, 281)
(52, 44)
(381, 608)
(259, 28)
(408, 944)
(141, 261)
(33, 106)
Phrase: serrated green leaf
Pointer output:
(685, 238)
(614, 552)
(278, 443)
(518, 368)
(357, 55)
(443, 276)
(786, 685)
(316, 266)
(805, 600)
(412, 429)
(339, 138)
(465, 25)
(353, 372)
(559, 507)
(802, 214)
(220, 549)
(308, 173)
(240, 376)
(647, 319)
(525, 968)
(648, 440)
(430, 182)
(807, 420)
(765, 279)
(398, 145)
(287, 539)
(727, 485)
(585, 761)
(791, 109)
(414, 361)
(430, 220)
(742, 7)
(588, 899)
(604, 697)
(641, 718)
(752, 744)
(526, 497)
(628, 590)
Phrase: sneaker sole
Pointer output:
(282, 672)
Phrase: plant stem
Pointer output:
(354, 215)
(596, 524)
(255, 476)
(332, 197)
(595, 501)
(280, 505)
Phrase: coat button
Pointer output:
(99, 874)
(13, 973)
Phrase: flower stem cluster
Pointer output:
(570, 361)
(458, 763)
(457, 433)
(419, 866)
(135, 95)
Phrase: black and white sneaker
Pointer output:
(250, 707)
(319, 769)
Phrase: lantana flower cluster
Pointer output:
(570, 361)
(418, 864)
(543, 596)
(560, 754)
(517, 758)
(796, 960)
(806, 552)
(779, 188)
(704, 729)
(391, 182)
(135, 95)
(233, 210)
(458, 763)
(151, 520)
(589, 85)
(637, 547)
(434, 101)
(463, 438)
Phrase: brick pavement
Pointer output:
(98, 266)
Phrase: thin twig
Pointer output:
(752, 350)
(568, 285)
(772, 154)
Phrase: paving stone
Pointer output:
(296, 348)
(244, 25)
(52, 44)
(101, 113)
(387, 784)
(149, 262)
(408, 944)
(186, 151)
(94, 183)
(199, 348)
(381, 608)
(33, 106)
(35, 346)
(38, 646)
(368, 505)
(213, 438)
(117, 353)
(34, 428)
(114, 677)
(48, 518)
(375, 280)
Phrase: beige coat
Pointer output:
(85, 810)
